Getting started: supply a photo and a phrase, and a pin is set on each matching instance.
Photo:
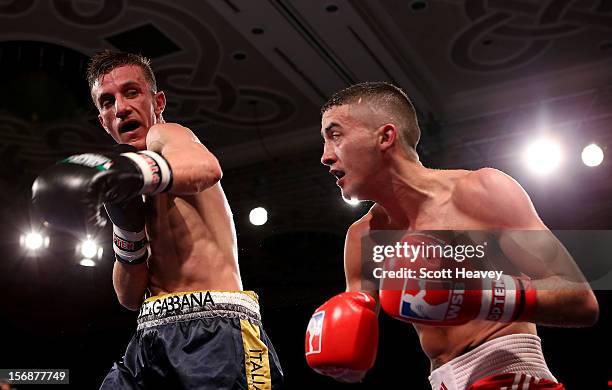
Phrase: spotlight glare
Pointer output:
(352, 201)
(258, 216)
(592, 155)
(87, 263)
(34, 241)
(543, 156)
(89, 248)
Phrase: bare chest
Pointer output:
(446, 216)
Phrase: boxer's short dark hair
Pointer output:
(383, 95)
(104, 62)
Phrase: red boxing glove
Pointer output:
(508, 299)
(451, 300)
(342, 337)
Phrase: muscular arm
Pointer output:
(355, 275)
(194, 168)
(130, 272)
(348, 334)
(130, 283)
(564, 298)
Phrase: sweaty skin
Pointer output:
(362, 150)
(190, 229)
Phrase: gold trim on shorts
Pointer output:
(256, 358)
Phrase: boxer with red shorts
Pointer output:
(477, 335)
(515, 381)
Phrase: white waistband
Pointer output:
(516, 353)
(184, 306)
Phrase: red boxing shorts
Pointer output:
(509, 362)
(510, 381)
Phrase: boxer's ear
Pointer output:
(387, 136)
(103, 124)
(160, 104)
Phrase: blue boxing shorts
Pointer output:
(198, 340)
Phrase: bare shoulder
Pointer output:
(483, 181)
(374, 219)
(164, 133)
(491, 195)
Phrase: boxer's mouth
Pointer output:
(337, 173)
(128, 126)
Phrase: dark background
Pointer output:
(248, 77)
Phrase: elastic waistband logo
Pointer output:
(177, 303)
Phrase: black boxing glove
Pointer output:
(69, 195)
(129, 240)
